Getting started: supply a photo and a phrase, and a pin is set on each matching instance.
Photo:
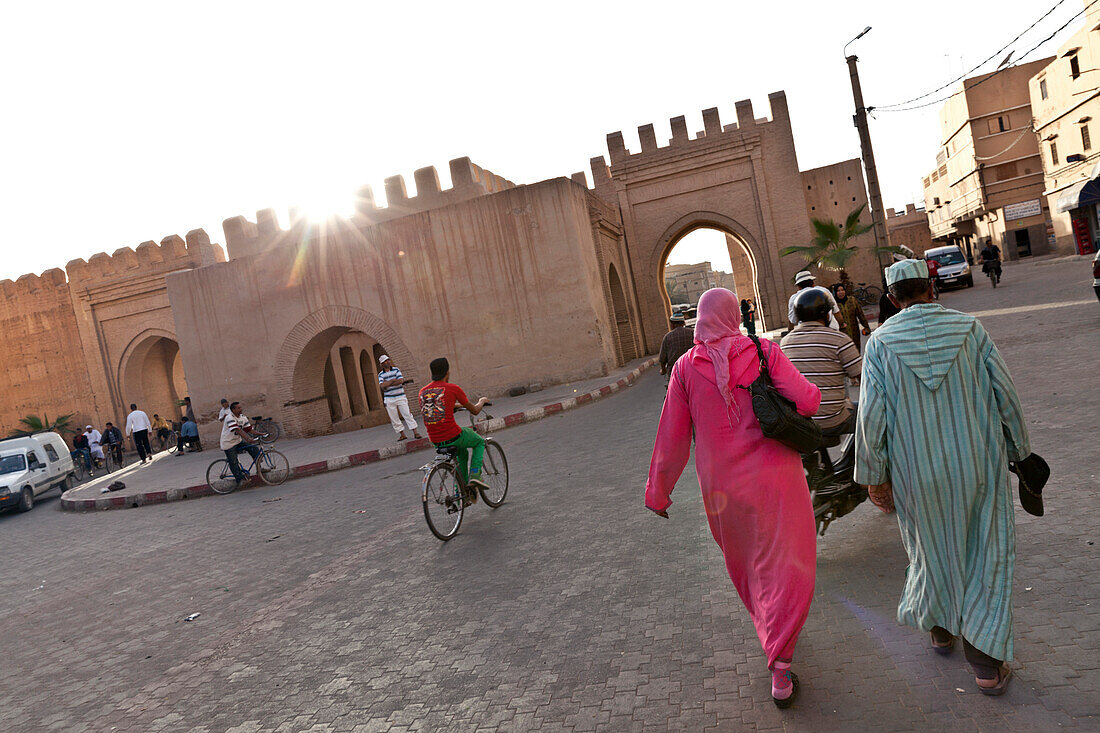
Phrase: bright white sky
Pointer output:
(125, 122)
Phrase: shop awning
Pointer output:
(1078, 195)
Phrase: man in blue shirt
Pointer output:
(189, 436)
(392, 382)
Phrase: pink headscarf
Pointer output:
(718, 329)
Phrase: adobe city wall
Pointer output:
(69, 334)
(507, 285)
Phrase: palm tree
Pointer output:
(830, 248)
(34, 424)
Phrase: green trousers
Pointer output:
(468, 439)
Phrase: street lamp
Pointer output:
(861, 35)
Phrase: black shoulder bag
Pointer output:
(779, 420)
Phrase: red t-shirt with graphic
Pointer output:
(437, 405)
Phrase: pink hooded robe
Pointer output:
(754, 490)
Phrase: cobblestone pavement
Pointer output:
(569, 608)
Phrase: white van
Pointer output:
(954, 269)
(31, 465)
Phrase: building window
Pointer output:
(1074, 66)
(808, 188)
(1086, 142)
(1054, 153)
(1001, 124)
(1043, 88)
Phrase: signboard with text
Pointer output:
(1023, 209)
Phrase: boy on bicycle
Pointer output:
(437, 404)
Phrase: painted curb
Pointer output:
(161, 496)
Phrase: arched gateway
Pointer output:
(741, 179)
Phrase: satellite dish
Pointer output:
(1004, 62)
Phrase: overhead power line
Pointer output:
(965, 88)
(980, 65)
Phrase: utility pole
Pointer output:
(878, 216)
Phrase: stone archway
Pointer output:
(319, 371)
(624, 329)
(150, 375)
(741, 178)
(745, 257)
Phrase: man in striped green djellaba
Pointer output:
(939, 420)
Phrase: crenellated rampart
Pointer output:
(148, 258)
(468, 181)
(681, 143)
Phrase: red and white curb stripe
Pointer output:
(358, 459)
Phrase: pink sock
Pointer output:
(782, 687)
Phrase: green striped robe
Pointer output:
(939, 417)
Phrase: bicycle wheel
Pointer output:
(494, 472)
(220, 478)
(78, 469)
(111, 461)
(871, 294)
(270, 427)
(173, 442)
(273, 467)
(442, 504)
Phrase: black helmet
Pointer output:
(812, 305)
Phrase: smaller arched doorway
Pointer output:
(151, 375)
(343, 364)
(702, 257)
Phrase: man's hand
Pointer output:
(866, 331)
(882, 496)
(482, 402)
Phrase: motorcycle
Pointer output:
(833, 491)
(992, 268)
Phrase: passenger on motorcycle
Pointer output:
(825, 357)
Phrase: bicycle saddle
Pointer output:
(446, 450)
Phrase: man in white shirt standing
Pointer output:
(392, 382)
(804, 280)
(138, 425)
(237, 436)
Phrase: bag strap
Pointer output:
(763, 362)
(760, 353)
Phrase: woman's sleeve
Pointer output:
(672, 447)
(789, 381)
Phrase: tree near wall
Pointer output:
(831, 247)
(34, 424)
(676, 292)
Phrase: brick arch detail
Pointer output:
(298, 407)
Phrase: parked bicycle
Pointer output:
(445, 495)
(268, 427)
(272, 467)
(867, 294)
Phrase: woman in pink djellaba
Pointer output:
(754, 490)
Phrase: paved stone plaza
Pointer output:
(327, 605)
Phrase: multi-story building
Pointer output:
(1065, 99)
(685, 283)
(987, 185)
(909, 228)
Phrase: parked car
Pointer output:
(954, 269)
(32, 465)
(1096, 274)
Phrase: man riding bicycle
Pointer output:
(238, 436)
(437, 405)
(112, 438)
